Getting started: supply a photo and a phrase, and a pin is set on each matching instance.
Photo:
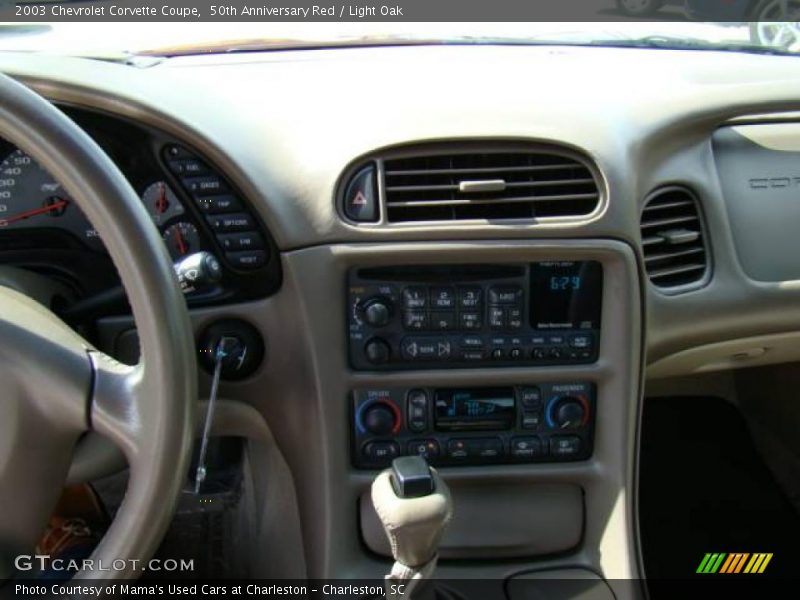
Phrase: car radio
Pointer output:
(548, 422)
(544, 313)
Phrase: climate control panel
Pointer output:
(548, 422)
(418, 317)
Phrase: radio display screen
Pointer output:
(474, 409)
(566, 295)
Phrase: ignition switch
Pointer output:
(244, 348)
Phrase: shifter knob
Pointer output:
(414, 506)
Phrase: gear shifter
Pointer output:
(414, 506)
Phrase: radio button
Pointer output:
(555, 353)
(539, 354)
(470, 320)
(498, 354)
(382, 451)
(414, 320)
(469, 297)
(497, 317)
(515, 353)
(505, 295)
(526, 447)
(472, 355)
(472, 342)
(443, 298)
(514, 317)
(565, 446)
(458, 449)
(443, 321)
(415, 297)
(581, 341)
(424, 448)
(556, 340)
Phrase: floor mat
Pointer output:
(704, 489)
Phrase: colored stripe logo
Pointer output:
(737, 562)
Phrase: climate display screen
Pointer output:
(566, 295)
(474, 409)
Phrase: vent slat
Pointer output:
(467, 201)
(487, 185)
(673, 242)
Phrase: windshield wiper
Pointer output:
(675, 43)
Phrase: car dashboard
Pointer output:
(476, 254)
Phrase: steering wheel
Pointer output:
(55, 386)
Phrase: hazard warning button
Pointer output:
(361, 196)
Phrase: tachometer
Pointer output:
(182, 238)
(161, 202)
(30, 198)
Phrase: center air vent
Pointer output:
(488, 185)
(673, 238)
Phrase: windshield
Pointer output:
(110, 40)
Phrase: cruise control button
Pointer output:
(210, 184)
(219, 204)
(442, 298)
(526, 447)
(505, 295)
(565, 446)
(361, 196)
(424, 448)
(252, 259)
(248, 240)
(231, 222)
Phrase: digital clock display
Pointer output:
(566, 295)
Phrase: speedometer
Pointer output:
(31, 198)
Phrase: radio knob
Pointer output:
(377, 312)
(568, 413)
(377, 351)
(379, 419)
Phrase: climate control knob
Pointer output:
(377, 351)
(568, 412)
(379, 419)
(377, 312)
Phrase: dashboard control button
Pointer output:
(361, 196)
(377, 312)
(531, 419)
(498, 354)
(488, 448)
(175, 151)
(526, 447)
(219, 204)
(443, 321)
(472, 342)
(497, 317)
(556, 340)
(377, 351)
(442, 298)
(555, 353)
(514, 318)
(231, 222)
(472, 355)
(415, 321)
(505, 295)
(380, 418)
(515, 353)
(209, 184)
(581, 341)
(424, 448)
(415, 297)
(470, 320)
(188, 166)
(531, 398)
(458, 449)
(539, 354)
(565, 446)
(568, 412)
(382, 451)
(251, 259)
(248, 240)
(417, 410)
(469, 298)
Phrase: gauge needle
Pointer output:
(36, 211)
(181, 241)
(161, 205)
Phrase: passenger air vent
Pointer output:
(673, 238)
(489, 185)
